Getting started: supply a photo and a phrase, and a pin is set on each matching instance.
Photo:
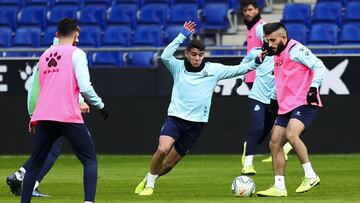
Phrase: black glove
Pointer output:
(312, 96)
(265, 46)
(274, 107)
(104, 113)
(259, 60)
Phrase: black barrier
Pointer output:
(138, 101)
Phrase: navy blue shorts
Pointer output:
(184, 132)
(305, 114)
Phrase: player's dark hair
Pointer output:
(195, 43)
(66, 27)
(272, 27)
(245, 3)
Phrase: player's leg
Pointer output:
(45, 135)
(277, 141)
(300, 120)
(51, 158)
(169, 133)
(147, 185)
(254, 136)
(81, 142)
(170, 161)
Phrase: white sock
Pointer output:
(280, 182)
(88, 202)
(36, 185)
(150, 180)
(309, 171)
(248, 160)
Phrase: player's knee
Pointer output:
(162, 150)
(274, 144)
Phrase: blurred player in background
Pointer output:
(15, 180)
(194, 83)
(262, 120)
(63, 74)
(298, 75)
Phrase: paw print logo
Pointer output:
(26, 75)
(52, 59)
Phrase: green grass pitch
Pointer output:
(197, 178)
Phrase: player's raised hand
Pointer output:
(190, 26)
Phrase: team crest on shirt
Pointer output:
(52, 62)
(205, 73)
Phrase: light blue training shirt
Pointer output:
(192, 91)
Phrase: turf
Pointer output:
(197, 178)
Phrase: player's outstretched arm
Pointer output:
(168, 54)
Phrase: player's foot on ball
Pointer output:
(243, 154)
(272, 192)
(140, 187)
(14, 184)
(37, 193)
(307, 184)
(249, 170)
(147, 191)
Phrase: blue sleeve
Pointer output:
(260, 32)
(83, 79)
(248, 58)
(30, 90)
(168, 54)
(303, 55)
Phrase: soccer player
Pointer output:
(298, 75)
(261, 119)
(63, 74)
(194, 83)
(15, 180)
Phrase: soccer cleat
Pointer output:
(307, 184)
(147, 191)
(14, 184)
(249, 170)
(243, 154)
(272, 192)
(140, 187)
(267, 160)
(37, 193)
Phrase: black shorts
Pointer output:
(305, 114)
(184, 132)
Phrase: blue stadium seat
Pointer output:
(107, 59)
(124, 13)
(224, 52)
(77, 3)
(8, 16)
(327, 13)
(27, 37)
(199, 3)
(33, 15)
(49, 34)
(90, 36)
(98, 2)
(39, 2)
(180, 12)
(18, 3)
(141, 59)
(5, 37)
(170, 32)
(352, 12)
(144, 2)
(155, 13)
(215, 16)
(93, 15)
(298, 32)
(349, 35)
(323, 34)
(147, 35)
(117, 35)
(19, 54)
(297, 13)
(61, 11)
